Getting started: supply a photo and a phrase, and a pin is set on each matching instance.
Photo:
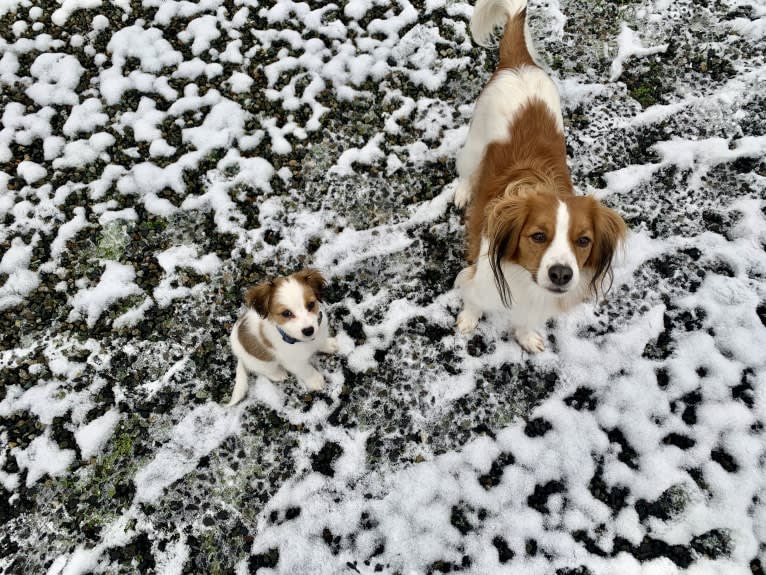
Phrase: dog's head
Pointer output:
(559, 240)
(291, 302)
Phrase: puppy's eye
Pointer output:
(311, 305)
(583, 242)
(287, 313)
(538, 237)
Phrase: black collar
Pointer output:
(291, 340)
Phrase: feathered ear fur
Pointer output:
(505, 219)
(609, 232)
(259, 297)
(314, 279)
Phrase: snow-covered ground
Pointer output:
(158, 156)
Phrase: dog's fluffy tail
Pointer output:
(240, 385)
(489, 14)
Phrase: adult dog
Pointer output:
(535, 248)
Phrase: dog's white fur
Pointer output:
(559, 253)
(480, 296)
(287, 358)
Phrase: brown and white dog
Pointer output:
(536, 249)
(283, 327)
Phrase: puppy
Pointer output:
(284, 326)
(535, 248)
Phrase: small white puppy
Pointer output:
(282, 328)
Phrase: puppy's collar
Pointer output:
(290, 339)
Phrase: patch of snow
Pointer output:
(42, 457)
(80, 153)
(240, 83)
(116, 282)
(57, 77)
(196, 435)
(92, 437)
(367, 155)
(629, 45)
(31, 172)
(68, 7)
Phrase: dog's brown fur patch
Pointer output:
(256, 345)
(532, 162)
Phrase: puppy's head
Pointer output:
(558, 240)
(291, 302)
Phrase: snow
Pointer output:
(57, 77)
(201, 431)
(200, 31)
(116, 282)
(368, 154)
(172, 561)
(240, 82)
(629, 45)
(181, 257)
(144, 120)
(92, 437)
(68, 7)
(42, 457)
(66, 232)
(31, 172)
(80, 153)
(231, 142)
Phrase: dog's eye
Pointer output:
(287, 313)
(538, 237)
(311, 305)
(583, 242)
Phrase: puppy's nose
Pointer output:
(307, 331)
(560, 275)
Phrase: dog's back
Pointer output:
(517, 125)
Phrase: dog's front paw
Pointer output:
(330, 346)
(467, 321)
(462, 193)
(314, 382)
(277, 375)
(531, 341)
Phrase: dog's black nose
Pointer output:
(560, 275)
(307, 331)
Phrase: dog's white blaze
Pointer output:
(559, 252)
(497, 106)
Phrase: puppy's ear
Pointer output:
(314, 279)
(505, 220)
(609, 231)
(259, 297)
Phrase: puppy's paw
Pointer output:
(278, 374)
(531, 341)
(462, 193)
(330, 346)
(314, 382)
(467, 321)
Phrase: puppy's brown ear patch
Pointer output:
(259, 297)
(314, 279)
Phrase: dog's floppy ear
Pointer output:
(505, 220)
(314, 279)
(609, 230)
(259, 297)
